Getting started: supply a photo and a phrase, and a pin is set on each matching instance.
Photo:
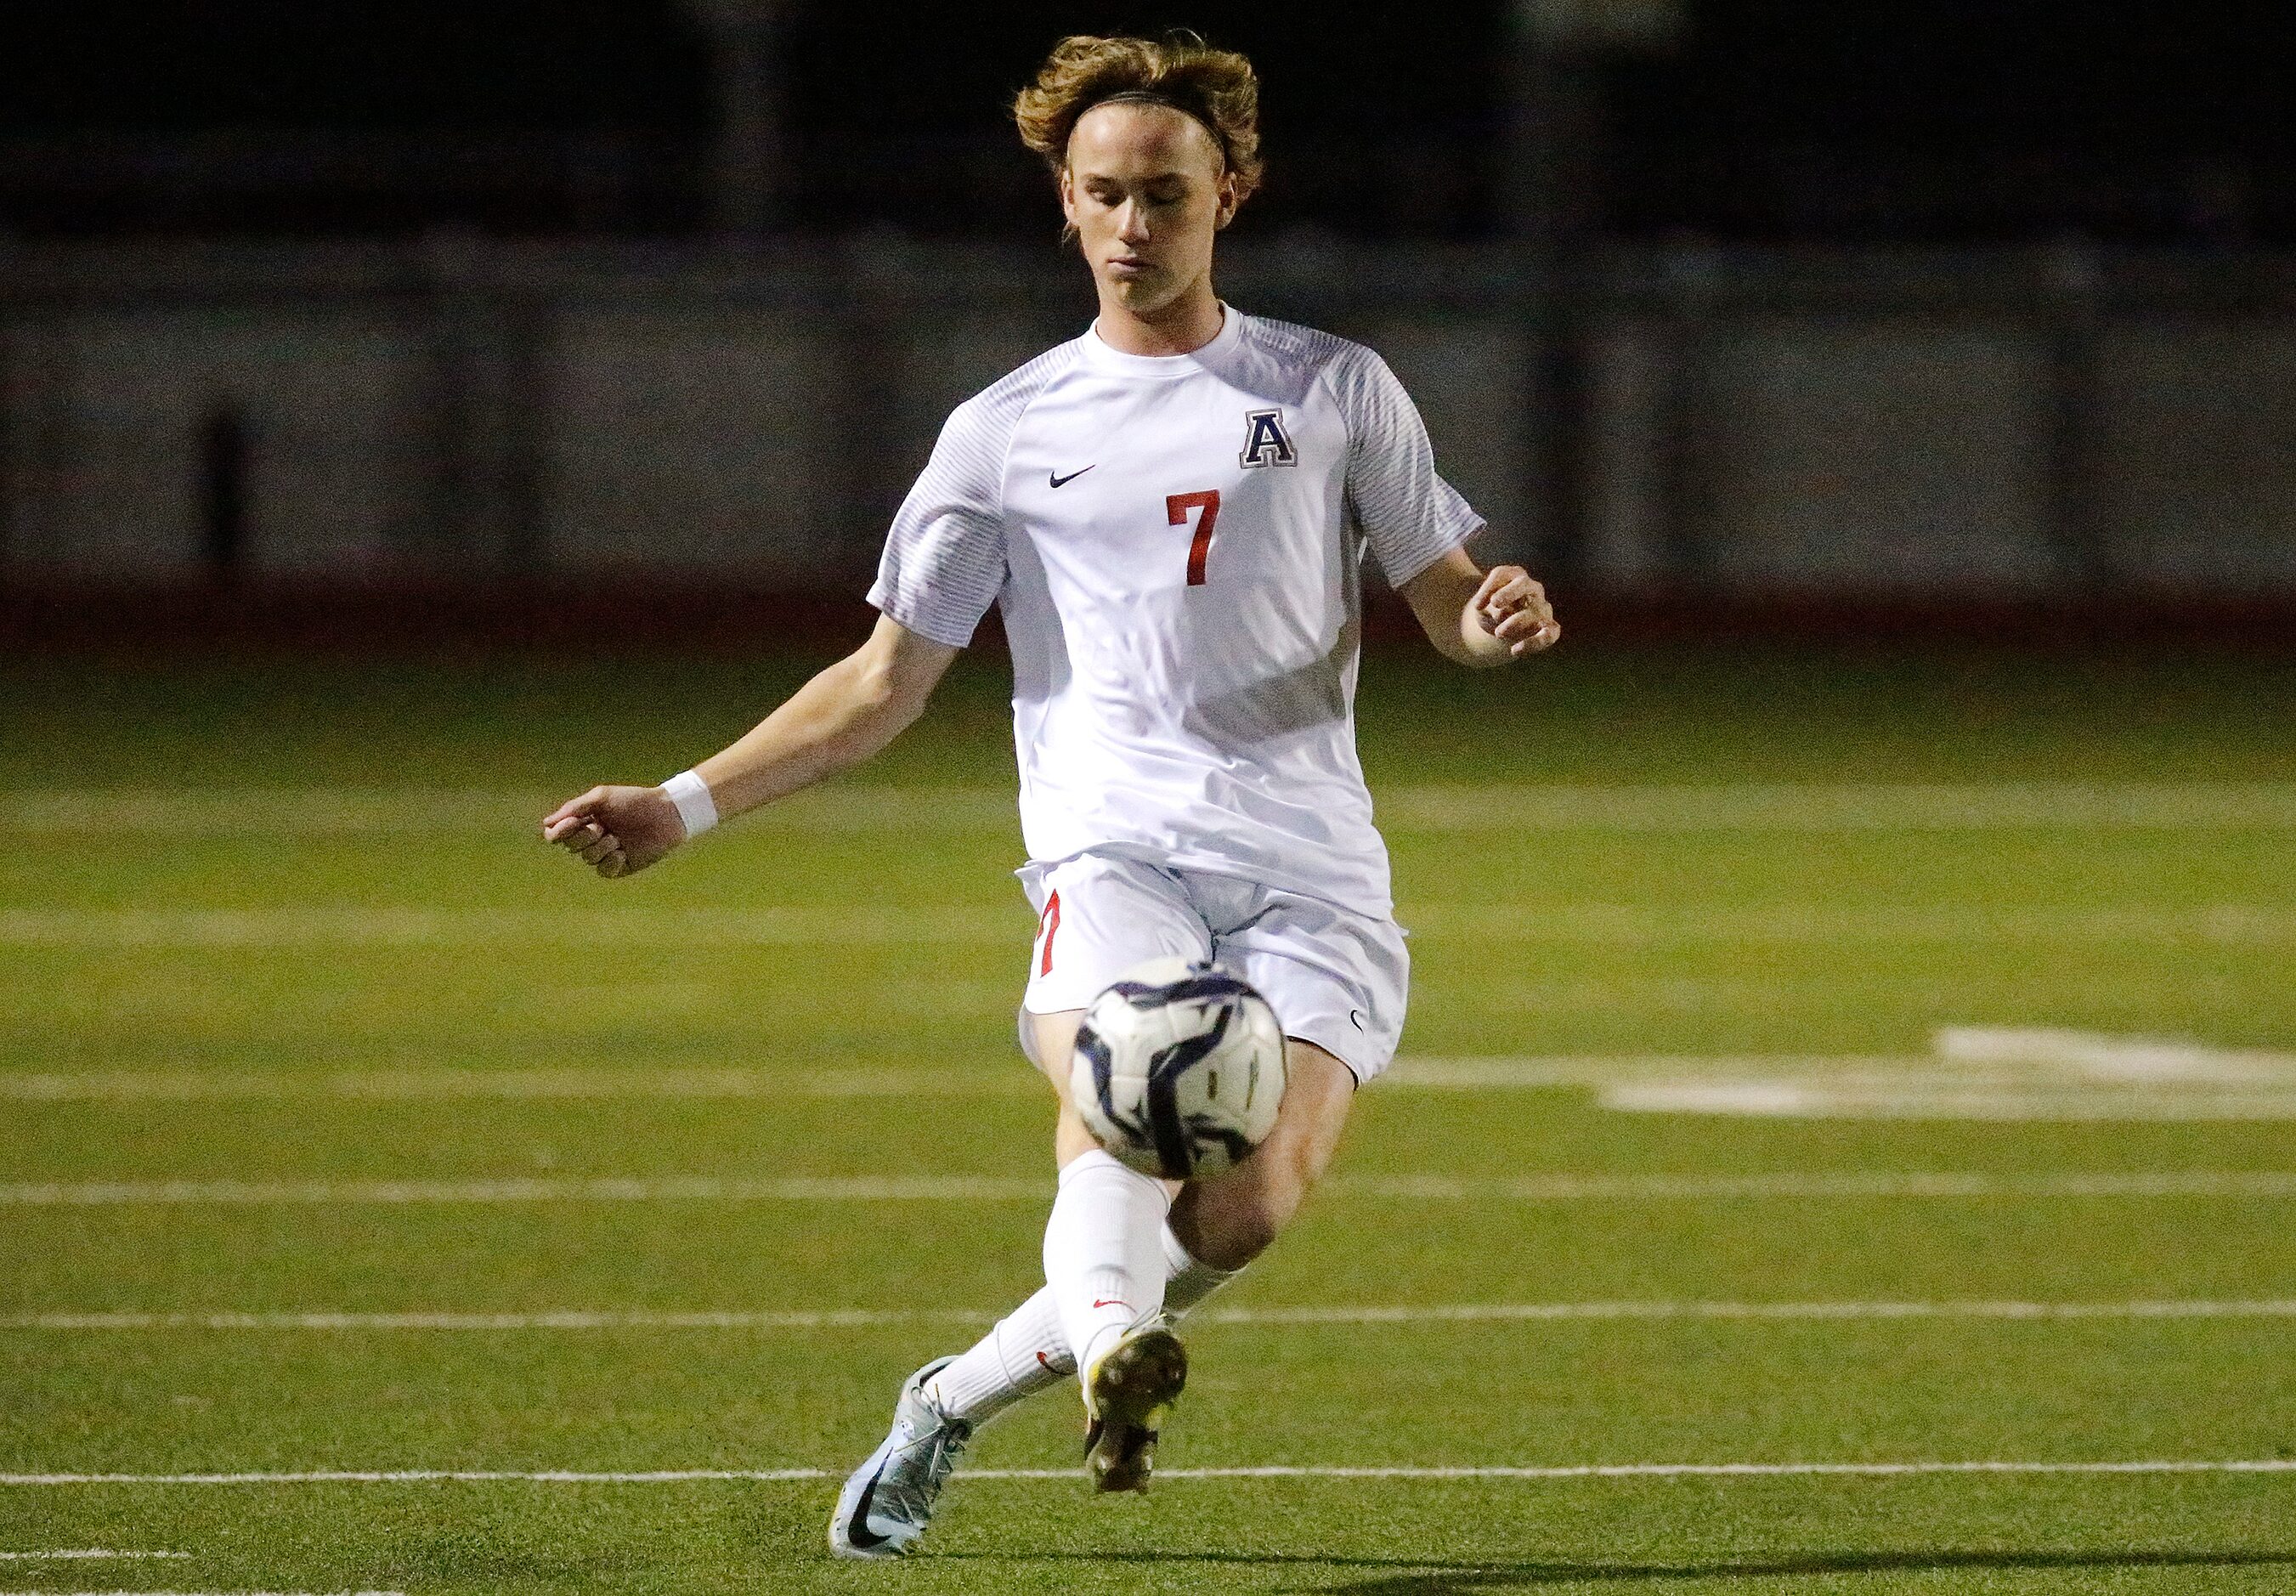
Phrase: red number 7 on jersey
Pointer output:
(1176, 506)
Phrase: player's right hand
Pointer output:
(616, 831)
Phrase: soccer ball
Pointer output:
(1178, 1069)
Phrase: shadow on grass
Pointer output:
(1430, 1576)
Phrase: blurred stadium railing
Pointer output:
(1999, 424)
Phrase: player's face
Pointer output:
(1146, 190)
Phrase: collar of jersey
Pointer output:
(1098, 353)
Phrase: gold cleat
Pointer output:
(1129, 1389)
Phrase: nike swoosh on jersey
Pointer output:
(1059, 481)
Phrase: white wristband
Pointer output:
(695, 807)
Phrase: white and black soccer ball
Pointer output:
(1178, 1069)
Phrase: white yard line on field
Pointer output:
(1941, 1096)
(1843, 807)
(396, 1476)
(516, 1085)
(1972, 1072)
(1852, 1185)
(1809, 925)
(1794, 807)
(576, 1319)
(672, 1189)
(2101, 1062)
(356, 927)
(1696, 1470)
(198, 1084)
(1482, 1312)
(85, 1555)
(324, 812)
(1555, 1189)
(1361, 1314)
(1560, 1471)
(1975, 1072)
(1603, 925)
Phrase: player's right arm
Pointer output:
(836, 721)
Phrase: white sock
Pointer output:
(1104, 1251)
(1027, 1352)
(1191, 1280)
(1024, 1354)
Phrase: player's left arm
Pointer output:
(1481, 618)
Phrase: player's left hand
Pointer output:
(1513, 607)
(616, 831)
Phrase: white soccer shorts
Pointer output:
(1334, 977)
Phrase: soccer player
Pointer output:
(1171, 512)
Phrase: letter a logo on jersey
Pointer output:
(1265, 441)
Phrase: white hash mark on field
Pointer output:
(1366, 1313)
(1796, 1185)
(1560, 1471)
(1972, 1072)
(322, 812)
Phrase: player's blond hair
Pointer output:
(1216, 87)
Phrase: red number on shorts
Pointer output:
(1176, 507)
(1052, 924)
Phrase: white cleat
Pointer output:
(885, 1506)
(1128, 1392)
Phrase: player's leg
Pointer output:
(1106, 1242)
(1132, 1377)
(1225, 1220)
(1109, 1231)
(1339, 981)
(1103, 1252)
(1028, 1350)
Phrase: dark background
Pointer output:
(1964, 308)
(1884, 120)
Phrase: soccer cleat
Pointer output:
(1126, 1393)
(887, 1503)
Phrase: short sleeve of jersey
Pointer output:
(1409, 515)
(944, 560)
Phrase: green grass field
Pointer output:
(323, 1086)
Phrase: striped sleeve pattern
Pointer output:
(1409, 515)
(943, 559)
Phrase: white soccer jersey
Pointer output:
(1175, 543)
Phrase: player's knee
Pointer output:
(1238, 1216)
(1240, 1234)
